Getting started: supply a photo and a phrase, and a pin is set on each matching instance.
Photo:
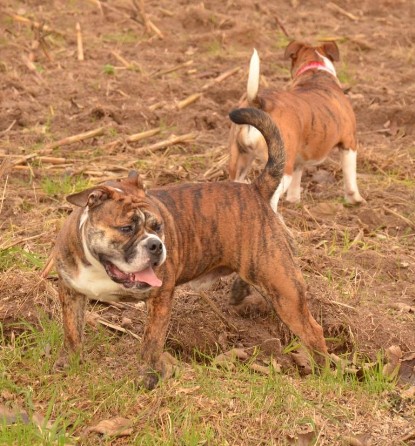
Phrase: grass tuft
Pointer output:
(64, 186)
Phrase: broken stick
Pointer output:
(336, 8)
(396, 214)
(34, 24)
(221, 78)
(173, 140)
(72, 139)
(79, 42)
(134, 138)
(189, 100)
(149, 25)
(175, 68)
(124, 61)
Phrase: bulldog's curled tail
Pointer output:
(270, 178)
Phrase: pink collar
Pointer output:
(315, 66)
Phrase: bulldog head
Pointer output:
(122, 229)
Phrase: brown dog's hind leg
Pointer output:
(240, 289)
(348, 162)
(73, 313)
(287, 295)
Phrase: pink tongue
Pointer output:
(148, 276)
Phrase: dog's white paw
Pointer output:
(354, 198)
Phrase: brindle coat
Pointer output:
(208, 230)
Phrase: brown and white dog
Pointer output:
(313, 115)
(125, 243)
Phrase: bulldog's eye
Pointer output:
(126, 229)
(157, 227)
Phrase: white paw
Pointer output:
(354, 198)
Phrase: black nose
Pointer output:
(155, 246)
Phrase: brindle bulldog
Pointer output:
(123, 242)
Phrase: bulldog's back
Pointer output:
(213, 225)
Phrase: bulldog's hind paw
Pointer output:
(240, 290)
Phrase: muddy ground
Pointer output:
(358, 261)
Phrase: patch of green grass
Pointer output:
(26, 205)
(109, 69)
(398, 177)
(64, 186)
(29, 433)
(281, 41)
(39, 68)
(203, 404)
(20, 258)
(112, 132)
(7, 20)
(344, 73)
(124, 37)
(214, 48)
(28, 353)
(342, 242)
(365, 376)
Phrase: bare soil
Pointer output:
(358, 261)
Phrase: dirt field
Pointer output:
(359, 262)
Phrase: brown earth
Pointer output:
(358, 262)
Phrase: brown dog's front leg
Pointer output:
(73, 312)
(155, 362)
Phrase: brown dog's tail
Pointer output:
(270, 178)
(252, 85)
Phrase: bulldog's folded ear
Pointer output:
(135, 179)
(90, 197)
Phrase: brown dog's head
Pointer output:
(302, 54)
(122, 229)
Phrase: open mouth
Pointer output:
(143, 279)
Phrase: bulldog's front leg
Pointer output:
(156, 364)
(73, 313)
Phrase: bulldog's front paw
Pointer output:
(65, 360)
(165, 368)
(62, 363)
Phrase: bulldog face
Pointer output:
(123, 231)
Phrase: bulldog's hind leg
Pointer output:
(73, 314)
(287, 295)
(240, 289)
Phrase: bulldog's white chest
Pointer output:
(94, 283)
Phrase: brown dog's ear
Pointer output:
(135, 179)
(292, 49)
(89, 197)
(331, 50)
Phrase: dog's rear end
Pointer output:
(313, 116)
(246, 143)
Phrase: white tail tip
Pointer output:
(253, 77)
